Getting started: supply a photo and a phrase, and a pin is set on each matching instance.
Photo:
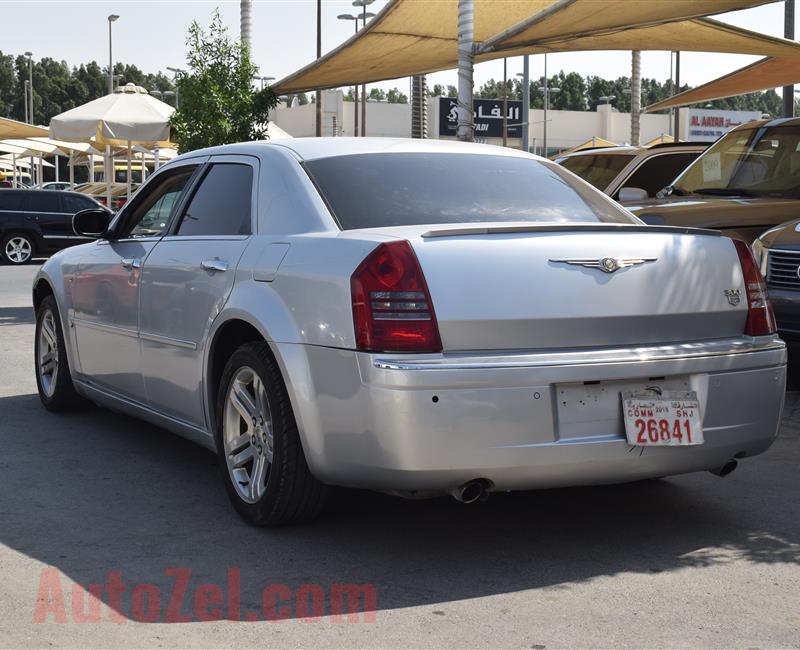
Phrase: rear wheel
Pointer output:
(53, 379)
(17, 248)
(261, 458)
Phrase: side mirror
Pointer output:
(92, 223)
(633, 195)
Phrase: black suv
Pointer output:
(37, 222)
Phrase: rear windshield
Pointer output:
(598, 169)
(402, 189)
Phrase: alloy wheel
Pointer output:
(18, 250)
(47, 365)
(247, 435)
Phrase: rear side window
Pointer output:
(659, 171)
(398, 189)
(71, 203)
(598, 169)
(43, 202)
(221, 204)
(10, 200)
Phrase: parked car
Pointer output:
(743, 185)
(38, 222)
(632, 173)
(777, 253)
(55, 185)
(417, 317)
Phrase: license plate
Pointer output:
(671, 419)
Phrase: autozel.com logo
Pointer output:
(118, 600)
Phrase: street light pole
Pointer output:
(355, 87)
(546, 102)
(526, 102)
(111, 19)
(364, 15)
(788, 32)
(30, 83)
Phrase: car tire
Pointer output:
(17, 248)
(53, 378)
(261, 458)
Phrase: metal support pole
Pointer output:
(526, 102)
(546, 106)
(13, 170)
(636, 95)
(677, 133)
(505, 102)
(25, 97)
(788, 32)
(318, 99)
(56, 162)
(363, 86)
(466, 58)
(129, 170)
(71, 170)
(110, 63)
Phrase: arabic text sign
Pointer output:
(488, 117)
(709, 124)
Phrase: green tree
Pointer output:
(218, 104)
(394, 96)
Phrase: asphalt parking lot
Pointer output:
(692, 561)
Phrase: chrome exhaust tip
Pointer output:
(471, 491)
(726, 469)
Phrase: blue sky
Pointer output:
(151, 33)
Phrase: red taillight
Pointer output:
(760, 319)
(392, 308)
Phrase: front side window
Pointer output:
(150, 215)
(754, 162)
(221, 204)
(402, 189)
(41, 202)
(598, 169)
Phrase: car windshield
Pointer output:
(757, 162)
(599, 169)
(400, 189)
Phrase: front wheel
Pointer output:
(265, 470)
(53, 379)
(17, 248)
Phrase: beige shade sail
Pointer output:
(34, 146)
(761, 75)
(662, 139)
(66, 147)
(12, 129)
(21, 161)
(419, 36)
(593, 143)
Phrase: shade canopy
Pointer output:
(20, 162)
(763, 74)
(12, 129)
(411, 37)
(127, 116)
(593, 143)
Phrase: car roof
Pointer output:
(315, 148)
(629, 150)
(779, 121)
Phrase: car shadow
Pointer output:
(17, 316)
(94, 492)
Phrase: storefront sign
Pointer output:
(709, 124)
(488, 117)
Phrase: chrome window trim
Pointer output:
(66, 237)
(641, 354)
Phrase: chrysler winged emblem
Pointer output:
(733, 296)
(605, 264)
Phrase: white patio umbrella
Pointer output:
(128, 117)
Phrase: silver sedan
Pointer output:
(414, 317)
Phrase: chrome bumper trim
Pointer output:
(724, 347)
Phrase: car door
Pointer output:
(105, 288)
(43, 210)
(187, 279)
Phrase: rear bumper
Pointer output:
(431, 423)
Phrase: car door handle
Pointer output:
(215, 265)
(131, 263)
